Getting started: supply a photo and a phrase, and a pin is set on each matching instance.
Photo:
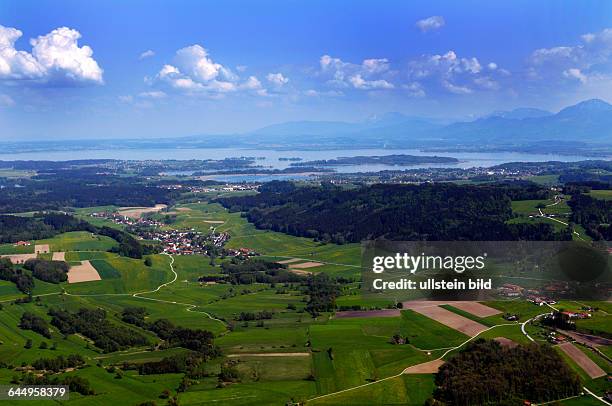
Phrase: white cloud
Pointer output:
(370, 74)
(146, 54)
(492, 66)
(359, 82)
(6, 101)
(373, 66)
(575, 73)
(56, 58)
(277, 78)
(431, 23)
(193, 71)
(588, 58)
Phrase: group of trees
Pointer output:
(252, 271)
(92, 323)
(75, 383)
(250, 316)
(487, 373)
(398, 212)
(197, 340)
(30, 321)
(322, 293)
(59, 363)
(48, 271)
(22, 280)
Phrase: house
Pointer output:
(22, 244)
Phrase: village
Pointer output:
(173, 241)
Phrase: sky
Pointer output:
(148, 69)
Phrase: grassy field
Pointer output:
(340, 353)
(601, 194)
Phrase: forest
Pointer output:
(488, 373)
(93, 324)
(441, 211)
(48, 271)
(83, 187)
(595, 215)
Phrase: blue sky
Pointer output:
(111, 69)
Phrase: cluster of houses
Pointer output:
(118, 218)
(208, 189)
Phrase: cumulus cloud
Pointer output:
(146, 54)
(431, 23)
(590, 56)
(193, 71)
(455, 74)
(368, 75)
(277, 79)
(56, 58)
(359, 82)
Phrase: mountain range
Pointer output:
(588, 122)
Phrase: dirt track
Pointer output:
(592, 369)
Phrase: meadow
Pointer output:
(304, 358)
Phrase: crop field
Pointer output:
(304, 358)
(79, 241)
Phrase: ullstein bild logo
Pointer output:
(412, 263)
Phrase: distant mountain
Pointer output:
(588, 122)
(520, 113)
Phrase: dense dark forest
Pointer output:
(398, 212)
(79, 188)
(487, 373)
(595, 215)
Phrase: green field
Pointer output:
(352, 355)
(601, 194)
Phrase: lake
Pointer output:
(269, 159)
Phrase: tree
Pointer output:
(28, 344)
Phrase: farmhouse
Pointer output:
(22, 244)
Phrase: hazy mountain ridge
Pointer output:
(586, 122)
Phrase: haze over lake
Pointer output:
(269, 159)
